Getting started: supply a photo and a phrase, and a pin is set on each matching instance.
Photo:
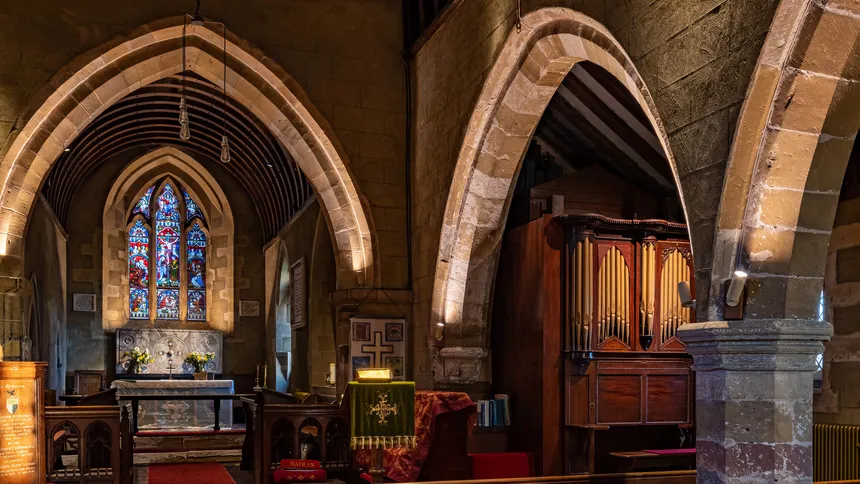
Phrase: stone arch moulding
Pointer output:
(527, 73)
(129, 186)
(794, 136)
(96, 80)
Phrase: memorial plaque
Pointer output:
(22, 457)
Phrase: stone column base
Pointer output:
(754, 398)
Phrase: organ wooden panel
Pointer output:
(593, 302)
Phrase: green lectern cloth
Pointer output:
(382, 414)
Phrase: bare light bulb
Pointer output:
(225, 150)
(183, 110)
(185, 131)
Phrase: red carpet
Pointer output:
(211, 473)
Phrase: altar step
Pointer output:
(224, 446)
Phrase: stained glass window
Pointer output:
(142, 206)
(138, 270)
(165, 241)
(196, 246)
(167, 254)
(191, 208)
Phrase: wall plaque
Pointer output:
(297, 286)
(85, 303)
(249, 308)
(22, 456)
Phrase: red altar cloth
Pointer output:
(404, 465)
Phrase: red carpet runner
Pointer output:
(211, 473)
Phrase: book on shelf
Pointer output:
(495, 412)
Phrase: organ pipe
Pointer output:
(673, 314)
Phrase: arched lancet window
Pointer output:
(167, 233)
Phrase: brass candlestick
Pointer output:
(265, 374)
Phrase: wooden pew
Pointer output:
(96, 441)
(274, 431)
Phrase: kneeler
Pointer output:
(382, 416)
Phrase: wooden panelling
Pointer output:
(663, 392)
(619, 399)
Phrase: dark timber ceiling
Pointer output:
(149, 118)
(593, 118)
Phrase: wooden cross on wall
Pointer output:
(377, 348)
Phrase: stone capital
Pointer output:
(755, 345)
(459, 364)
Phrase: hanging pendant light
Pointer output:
(225, 144)
(184, 123)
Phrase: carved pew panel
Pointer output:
(83, 444)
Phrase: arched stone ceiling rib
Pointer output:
(149, 117)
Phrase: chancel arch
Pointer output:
(527, 74)
(131, 216)
(97, 80)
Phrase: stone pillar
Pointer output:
(754, 398)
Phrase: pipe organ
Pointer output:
(594, 302)
(623, 283)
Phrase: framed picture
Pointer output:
(395, 363)
(85, 303)
(361, 332)
(297, 287)
(394, 331)
(359, 362)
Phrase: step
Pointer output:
(187, 457)
(150, 442)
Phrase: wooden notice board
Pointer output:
(22, 438)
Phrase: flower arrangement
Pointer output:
(137, 358)
(199, 360)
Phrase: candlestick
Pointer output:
(257, 377)
(265, 372)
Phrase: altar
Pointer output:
(177, 414)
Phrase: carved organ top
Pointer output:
(621, 283)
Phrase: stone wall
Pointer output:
(696, 59)
(313, 346)
(48, 272)
(839, 400)
(344, 53)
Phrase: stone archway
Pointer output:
(96, 80)
(794, 137)
(527, 73)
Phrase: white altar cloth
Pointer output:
(180, 413)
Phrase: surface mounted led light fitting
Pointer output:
(686, 295)
(736, 288)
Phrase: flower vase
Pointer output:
(200, 375)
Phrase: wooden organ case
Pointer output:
(613, 376)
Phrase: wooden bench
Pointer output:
(644, 460)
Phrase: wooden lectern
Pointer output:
(22, 436)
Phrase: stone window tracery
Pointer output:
(167, 238)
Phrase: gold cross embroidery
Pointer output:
(382, 409)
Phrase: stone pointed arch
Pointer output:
(527, 73)
(794, 136)
(96, 80)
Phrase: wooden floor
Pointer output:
(241, 477)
